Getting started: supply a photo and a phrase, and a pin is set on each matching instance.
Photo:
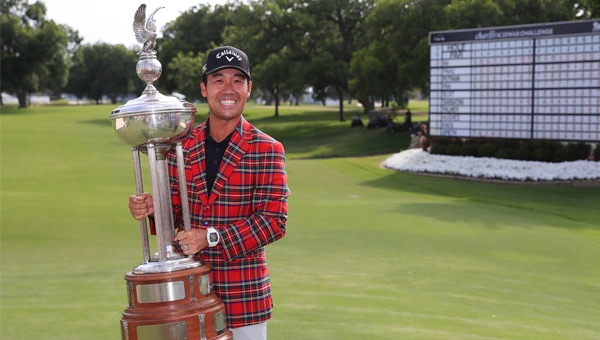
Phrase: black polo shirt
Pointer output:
(214, 152)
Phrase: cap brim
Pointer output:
(227, 66)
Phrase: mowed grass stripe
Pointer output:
(370, 253)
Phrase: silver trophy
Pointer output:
(154, 124)
(170, 295)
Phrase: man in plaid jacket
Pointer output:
(237, 188)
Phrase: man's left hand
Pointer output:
(192, 241)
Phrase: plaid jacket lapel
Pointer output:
(237, 148)
(198, 163)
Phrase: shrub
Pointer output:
(511, 144)
(542, 154)
(551, 146)
(564, 154)
(597, 153)
(438, 149)
(486, 150)
(453, 149)
(504, 153)
(469, 149)
(538, 150)
(528, 144)
(580, 150)
(523, 153)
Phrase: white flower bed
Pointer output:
(417, 160)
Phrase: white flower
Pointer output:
(417, 160)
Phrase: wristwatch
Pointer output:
(212, 236)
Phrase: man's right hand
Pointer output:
(141, 206)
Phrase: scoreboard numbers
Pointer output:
(523, 82)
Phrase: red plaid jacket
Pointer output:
(247, 205)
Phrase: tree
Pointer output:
(397, 55)
(186, 73)
(587, 9)
(373, 50)
(369, 78)
(35, 51)
(196, 30)
(487, 13)
(271, 33)
(337, 33)
(273, 74)
(103, 70)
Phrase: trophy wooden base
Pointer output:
(173, 306)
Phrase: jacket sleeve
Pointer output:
(267, 223)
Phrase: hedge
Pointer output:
(526, 150)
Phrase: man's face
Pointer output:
(226, 91)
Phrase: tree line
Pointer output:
(364, 49)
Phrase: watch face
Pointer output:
(213, 237)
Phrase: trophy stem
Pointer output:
(139, 189)
(156, 198)
(185, 210)
(166, 206)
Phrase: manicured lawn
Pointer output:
(369, 253)
(315, 131)
(382, 255)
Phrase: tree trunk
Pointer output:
(367, 105)
(268, 98)
(341, 98)
(23, 99)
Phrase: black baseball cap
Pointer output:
(226, 57)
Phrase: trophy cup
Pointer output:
(170, 294)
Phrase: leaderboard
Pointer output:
(523, 82)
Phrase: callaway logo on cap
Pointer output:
(226, 57)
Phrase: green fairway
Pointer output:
(370, 253)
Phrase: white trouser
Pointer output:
(252, 332)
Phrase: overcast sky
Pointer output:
(110, 21)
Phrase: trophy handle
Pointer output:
(185, 209)
(139, 190)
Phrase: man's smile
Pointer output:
(227, 101)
